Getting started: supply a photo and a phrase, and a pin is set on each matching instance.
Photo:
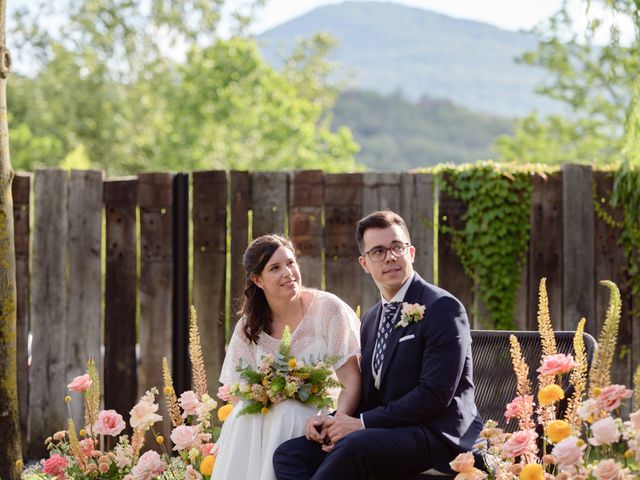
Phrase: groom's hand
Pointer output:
(314, 429)
(341, 426)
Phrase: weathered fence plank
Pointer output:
(209, 266)
(269, 202)
(305, 217)
(610, 264)
(545, 252)
(155, 199)
(84, 317)
(451, 275)
(181, 366)
(120, 363)
(343, 208)
(578, 237)
(381, 191)
(417, 210)
(21, 193)
(48, 375)
(240, 204)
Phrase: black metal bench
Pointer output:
(493, 376)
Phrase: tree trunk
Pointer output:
(10, 450)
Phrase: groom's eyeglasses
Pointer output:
(377, 254)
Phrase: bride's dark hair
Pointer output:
(255, 307)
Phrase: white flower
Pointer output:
(588, 409)
(411, 312)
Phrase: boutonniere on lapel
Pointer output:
(411, 313)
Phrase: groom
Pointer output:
(417, 410)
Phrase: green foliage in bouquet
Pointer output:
(283, 378)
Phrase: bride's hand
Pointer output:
(314, 429)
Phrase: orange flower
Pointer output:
(224, 411)
(532, 471)
(558, 430)
(206, 467)
(550, 394)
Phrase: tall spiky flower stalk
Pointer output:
(600, 373)
(544, 321)
(172, 402)
(636, 387)
(195, 355)
(577, 378)
(523, 387)
(92, 397)
(74, 444)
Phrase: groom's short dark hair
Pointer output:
(379, 219)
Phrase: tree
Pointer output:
(150, 85)
(594, 81)
(10, 449)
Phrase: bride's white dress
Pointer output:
(247, 442)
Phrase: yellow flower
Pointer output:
(159, 439)
(314, 389)
(168, 390)
(558, 430)
(629, 454)
(19, 464)
(224, 411)
(206, 467)
(292, 363)
(265, 381)
(83, 432)
(67, 399)
(264, 410)
(550, 394)
(532, 471)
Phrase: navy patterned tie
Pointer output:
(389, 313)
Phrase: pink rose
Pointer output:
(611, 396)
(184, 437)
(604, 432)
(568, 452)
(224, 394)
(80, 384)
(556, 364)
(189, 403)
(149, 465)
(462, 463)
(518, 407)
(55, 465)
(191, 474)
(608, 470)
(143, 415)
(109, 422)
(208, 449)
(635, 420)
(522, 442)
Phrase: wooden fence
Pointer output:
(103, 265)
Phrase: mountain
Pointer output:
(392, 48)
(395, 134)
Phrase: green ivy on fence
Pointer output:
(492, 244)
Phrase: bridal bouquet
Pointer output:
(591, 440)
(284, 377)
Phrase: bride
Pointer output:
(320, 323)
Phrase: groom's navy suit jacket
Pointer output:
(426, 379)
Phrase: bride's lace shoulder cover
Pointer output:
(329, 327)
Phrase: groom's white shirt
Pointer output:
(398, 297)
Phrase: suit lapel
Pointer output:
(368, 340)
(412, 296)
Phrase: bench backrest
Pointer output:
(494, 379)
